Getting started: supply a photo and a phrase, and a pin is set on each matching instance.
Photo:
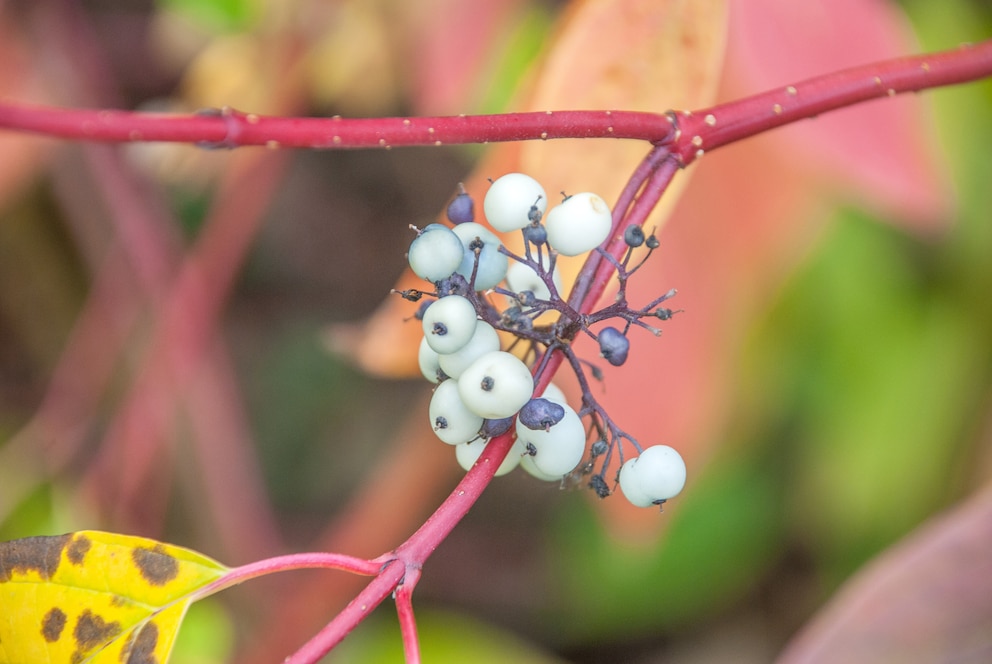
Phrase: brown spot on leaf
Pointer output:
(92, 631)
(155, 565)
(142, 647)
(78, 548)
(52, 624)
(41, 554)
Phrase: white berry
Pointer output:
(521, 277)
(509, 201)
(527, 463)
(468, 453)
(451, 420)
(496, 385)
(449, 323)
(427, 359)
(435, 253)
(492, 264)
(554, 393)
(484, 340)
(580, 223)
(558, 450)
(655, 476)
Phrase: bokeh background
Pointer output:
(186, 350)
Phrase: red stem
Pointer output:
(701, 130)
(708, 129)
(408, 623)
(229, 128)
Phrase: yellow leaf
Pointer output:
(95, 597)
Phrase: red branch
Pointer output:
(229, 128)
(708, 129)
(698, 131)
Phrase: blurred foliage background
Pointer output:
(858, 388)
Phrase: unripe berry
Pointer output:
(492, 264)
(493, 428)
(461, 209)
(541, 414)
(449, 323)
(580, 223)
(451, 420)
(435, 253)
(633, 236)
(496, 385)
(536, 234)
(613, 346)
(509, 201)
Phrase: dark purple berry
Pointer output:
(419, 313)
(664, 314)
(652, 242)
(598, 448)
(453, 285)
(527, 298)
(613, 346)
(461, 209)
(493, 428)
(633, 236)
(536, 234)
(598, 484)
(538, 414)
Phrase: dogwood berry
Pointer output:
(468, 453)
(613, 346)
(578, 224)
(461, 209)
(521, 277)
(541, 414)
(496, 385)
(449, 323)
(492, 264)
(558, 449)
(427, 359)
(484, 340)
(528, 465)
(435, 253)
(451, 420)
(652, 478)
(509, 202)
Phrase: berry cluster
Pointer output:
(484, 390)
